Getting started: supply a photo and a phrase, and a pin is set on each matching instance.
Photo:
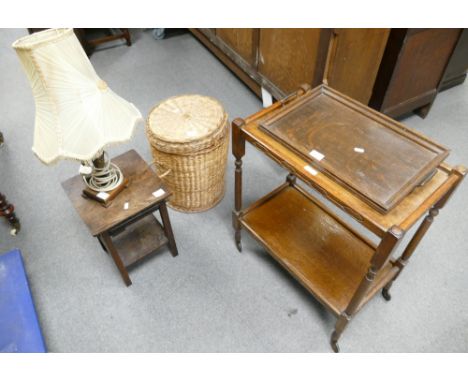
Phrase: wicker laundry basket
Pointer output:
(189, 138)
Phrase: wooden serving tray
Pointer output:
(374, 156)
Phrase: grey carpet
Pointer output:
(210, 298)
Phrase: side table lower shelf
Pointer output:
(324, 254)
(139, 240)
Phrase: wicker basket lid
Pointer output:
(186, 118)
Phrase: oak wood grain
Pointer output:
(242, 41)
(355, 60)
(377, 222)
(380, 160)
(326, 257)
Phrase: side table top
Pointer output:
(143, 181)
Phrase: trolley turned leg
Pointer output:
(238, 149)
(380, 257)
(238, 204)
(340, 326)
(459, 171)
(414, 242)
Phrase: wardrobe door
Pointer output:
(290, 57)
(243, 41)
(354, 60)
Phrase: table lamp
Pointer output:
(77, 115)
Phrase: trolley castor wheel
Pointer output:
(334, 342)
(335, 346)
(386, 294)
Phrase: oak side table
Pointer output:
(340, 266)
(127, 228)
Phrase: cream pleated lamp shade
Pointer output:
(77, 114)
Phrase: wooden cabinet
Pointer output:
(455, 73)
(354, 60)
(282, 59)
(243, 41)
(394, 71)
(290, 57)
(412, 68)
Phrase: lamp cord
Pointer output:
(104, 178)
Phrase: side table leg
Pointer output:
(106, 239)
(102, 244)
(168, 229)
(238, 149)
(7, 210)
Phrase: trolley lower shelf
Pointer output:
(324, 254)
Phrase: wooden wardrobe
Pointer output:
(280, 60)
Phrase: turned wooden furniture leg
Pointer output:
(238, 149)
(7, 210)
(385, 291)
(115, 255)
(414, 242)
(380, 257)
(168, 229)
(340, 326)
(238, 203)
(426, 223)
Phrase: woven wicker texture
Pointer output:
(189, 138)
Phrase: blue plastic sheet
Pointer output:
(19, 327)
